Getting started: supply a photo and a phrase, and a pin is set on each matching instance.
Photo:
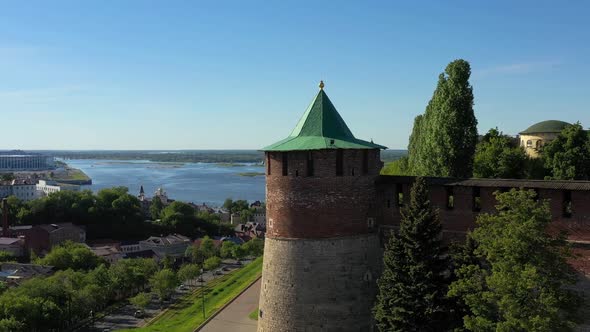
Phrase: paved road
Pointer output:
(235, 316)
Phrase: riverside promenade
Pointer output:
(235, 316)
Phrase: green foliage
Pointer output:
(396, 167)
(207, 247)
(189, 272)
(522, 281)
(163, 283)
(254, 247)
(156, 207)
(239, 252)
(56, 302)
(235, 206)
(443, 139)
(7, 176)
(568, 156)
(211, 263)
(497, 156)
(71, 255)
(141, 300)
(227, 249)
(5, 256)
(412, 288)
(131, 274)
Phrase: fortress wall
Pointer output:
(319, 284)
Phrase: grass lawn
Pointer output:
(254, 315)
(72, 174)
(187, 313)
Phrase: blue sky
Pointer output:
(239, 74)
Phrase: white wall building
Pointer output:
(45, 187)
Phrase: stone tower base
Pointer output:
(319, 284)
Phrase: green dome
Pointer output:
(549, 126)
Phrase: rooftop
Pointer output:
(321, 127)
(549, 126)
(493, 183)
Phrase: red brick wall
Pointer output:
(323, 205)
(462, 217)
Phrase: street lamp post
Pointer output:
(203, 292)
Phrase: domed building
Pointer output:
(534, 137)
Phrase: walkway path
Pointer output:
(235, 316)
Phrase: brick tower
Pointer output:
(322, 253)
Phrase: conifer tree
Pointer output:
(443, 139)
(413, 286)
(521, 280)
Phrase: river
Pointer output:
(190, 182)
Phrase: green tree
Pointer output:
(71, 255)
(227, 248)
(188, 272)
(524, 281)
(211, 263)
(156, 208)
(412, 288)
(497, 156)
(443, 139)
(207, 247)
(396, 167)
(254, 247)
(5, 256)
(239, 252)
(141, 300)
(163, 283)
(568, 156)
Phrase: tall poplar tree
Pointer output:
(413, 286)
(443, 140)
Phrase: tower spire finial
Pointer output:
(321, 85)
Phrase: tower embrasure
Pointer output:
(321, 252)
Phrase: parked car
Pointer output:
(138, 314)
(218, 272)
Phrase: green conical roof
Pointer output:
(321, 127)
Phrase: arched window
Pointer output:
(539, 144)
(529, 144)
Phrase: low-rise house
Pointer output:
(173, 245)
(149, 253)
(250, 229)
(13, 245)
(129, 246)
(110, 253)
(14, 273)
(41, 238)
(16, 231)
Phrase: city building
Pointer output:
(46, 187)
(18, 160)
(23, 189)
(328, 209)
(41, 238)
(534, 137)
(13, 245)
(173, 245)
